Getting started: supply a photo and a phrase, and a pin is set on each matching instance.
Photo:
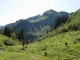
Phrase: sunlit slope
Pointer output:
(6, 41)
(62, 46)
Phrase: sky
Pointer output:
(13, 10)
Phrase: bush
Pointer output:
(78, 39)
(45, 53)
(66, 43)
(0, 45)
(75, 42)
(8, 42)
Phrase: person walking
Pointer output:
(23, 43)
(27, 43)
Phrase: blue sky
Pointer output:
(13, 10)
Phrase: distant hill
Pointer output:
(1, 27)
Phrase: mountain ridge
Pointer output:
(38, 22)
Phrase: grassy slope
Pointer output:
(54, 47)
(51, 48)
(2, 38)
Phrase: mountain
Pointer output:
(25, 24)
(33, 18)
(1, 28)
(47, 18)
(71, 25)
(38, 25)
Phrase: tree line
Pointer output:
(60, 20)
(9, 32)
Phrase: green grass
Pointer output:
(56, 48)
(51, 48)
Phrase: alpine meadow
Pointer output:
(52, 35)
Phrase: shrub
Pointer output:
(8, 42)
(66, 43)
(44, 48)
(0, 45)
(75, 42)
(78, 39)
(45, 53)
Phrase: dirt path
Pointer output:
(1, 50)
(34, 57)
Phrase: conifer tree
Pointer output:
(21, 34)
(5, 31)
(9, 32)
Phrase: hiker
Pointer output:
(26, 43)
(23, 43)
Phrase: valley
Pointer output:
(60, 43)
